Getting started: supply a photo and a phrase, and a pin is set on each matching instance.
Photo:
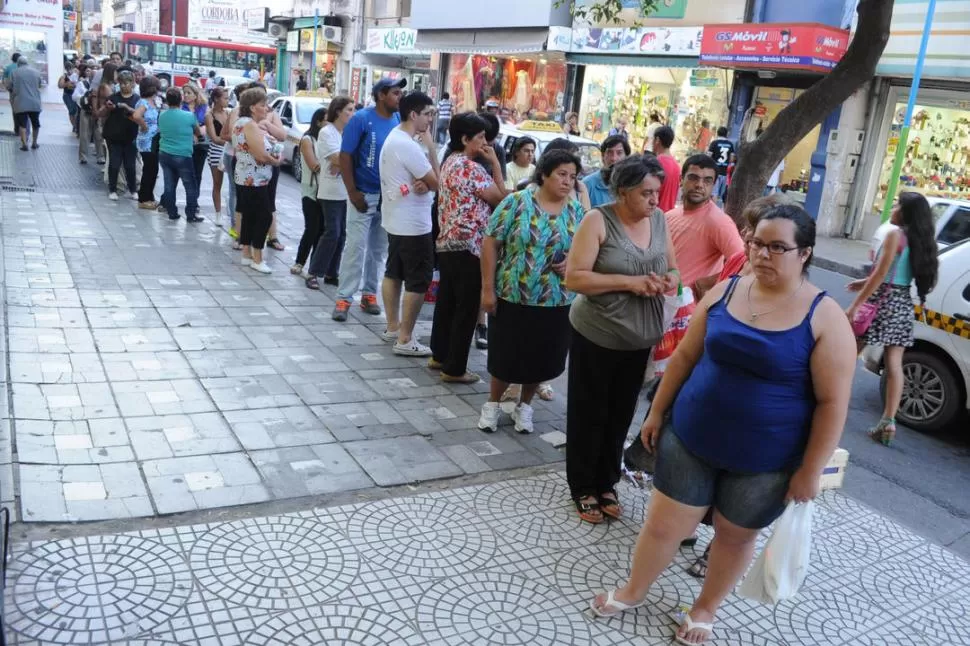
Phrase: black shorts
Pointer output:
(21, 119)
(410, 259)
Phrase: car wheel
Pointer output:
(297, 166)
(931, 393)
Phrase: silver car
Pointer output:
(295, 113)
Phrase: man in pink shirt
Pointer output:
(663, 139)
(702, 234)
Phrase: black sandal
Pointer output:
(698, 569)
(274, 243)
(610, 506)
(589, 511)
(312, 283)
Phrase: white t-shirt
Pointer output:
(403, 161)
(331, 184)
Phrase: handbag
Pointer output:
(866, 313)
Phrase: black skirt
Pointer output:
(528, 344)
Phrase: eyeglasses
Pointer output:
(774, 248)
(693, 178)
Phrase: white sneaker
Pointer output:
(113, 197)
(133, 196)
(246, 262)
(488, 421)
(412, 349)
(389, 336)
(522, 416)
(261, 267)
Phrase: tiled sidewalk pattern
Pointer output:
(507, 563)
(151, 374)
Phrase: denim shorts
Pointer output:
(749, 500)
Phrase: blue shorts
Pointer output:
(749, 500)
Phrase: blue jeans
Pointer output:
(364, 251)
(325, 261)
(720, 188)
(176, 168)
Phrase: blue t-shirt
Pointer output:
(176, 128)
(599, 192)
(363, 139)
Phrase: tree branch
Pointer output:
(757, 159)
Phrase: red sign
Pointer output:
(799, 46)
(355, 83)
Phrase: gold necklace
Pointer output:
(754, 315)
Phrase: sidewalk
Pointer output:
(842, 255)
(507, 563)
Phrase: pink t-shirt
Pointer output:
(703, 239)
(668, 190)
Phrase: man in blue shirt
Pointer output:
(360, 153)
(613, 149)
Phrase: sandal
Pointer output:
(237, 246)
(613, 604)
(610, 506)
(511, 393)
(589, 511)
(694, 625)
(312, 283)
(274, 243)
(545, 392)
(698, 568)
(884, 432)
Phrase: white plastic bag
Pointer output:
(783, 564)
(677, 312)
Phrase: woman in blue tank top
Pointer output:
(907, 254)
(747, 415)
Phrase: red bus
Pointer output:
(229, 60)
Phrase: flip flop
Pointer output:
(694, 625)
(617, 606)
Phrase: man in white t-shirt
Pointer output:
(409, 175)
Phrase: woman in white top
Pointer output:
(331, 196)
(522, 167)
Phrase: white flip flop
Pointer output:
(695, 625)
(616, 606)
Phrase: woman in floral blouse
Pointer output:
(466, 197)
(523, 287)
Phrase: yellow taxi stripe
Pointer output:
(943, 322)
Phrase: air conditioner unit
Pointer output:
(276, 30)
(333, 34)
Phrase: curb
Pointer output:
(840, 267)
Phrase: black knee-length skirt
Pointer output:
(528, 344)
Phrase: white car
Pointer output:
(295, 113)
(952, 219)
(542, 132)
(937, 368)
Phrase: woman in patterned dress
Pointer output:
(523, 288)
(907, 254)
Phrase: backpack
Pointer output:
(86, 102)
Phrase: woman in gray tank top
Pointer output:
(621, 264)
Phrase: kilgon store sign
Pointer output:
(395, 40)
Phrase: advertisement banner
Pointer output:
(224, 20)
(803, 46)
(36, 15)
(666, 41)
(355, 78)
(395, 40)
(306, 40)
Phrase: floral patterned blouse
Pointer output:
(462, 215)
(249, 172)
(532, 241)
(144, 139)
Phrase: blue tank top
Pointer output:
(747, 407)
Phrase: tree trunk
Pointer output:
(758, 159)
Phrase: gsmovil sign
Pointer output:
(795, 46)
(740, 36)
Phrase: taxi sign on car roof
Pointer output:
(540, 126)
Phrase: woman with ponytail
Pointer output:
(907, 255)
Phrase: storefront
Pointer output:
(390, 53)
(631, 73)
(313, 58)
(525, 86)
(35, 28)
(777, 62)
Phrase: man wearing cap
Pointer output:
(360, 153)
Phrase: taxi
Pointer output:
(936, 390)
(295, 114)
(542, 132)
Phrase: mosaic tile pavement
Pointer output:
(505, 564)
(150, 374)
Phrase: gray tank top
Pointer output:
(623, 320)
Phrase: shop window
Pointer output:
(957, 229)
